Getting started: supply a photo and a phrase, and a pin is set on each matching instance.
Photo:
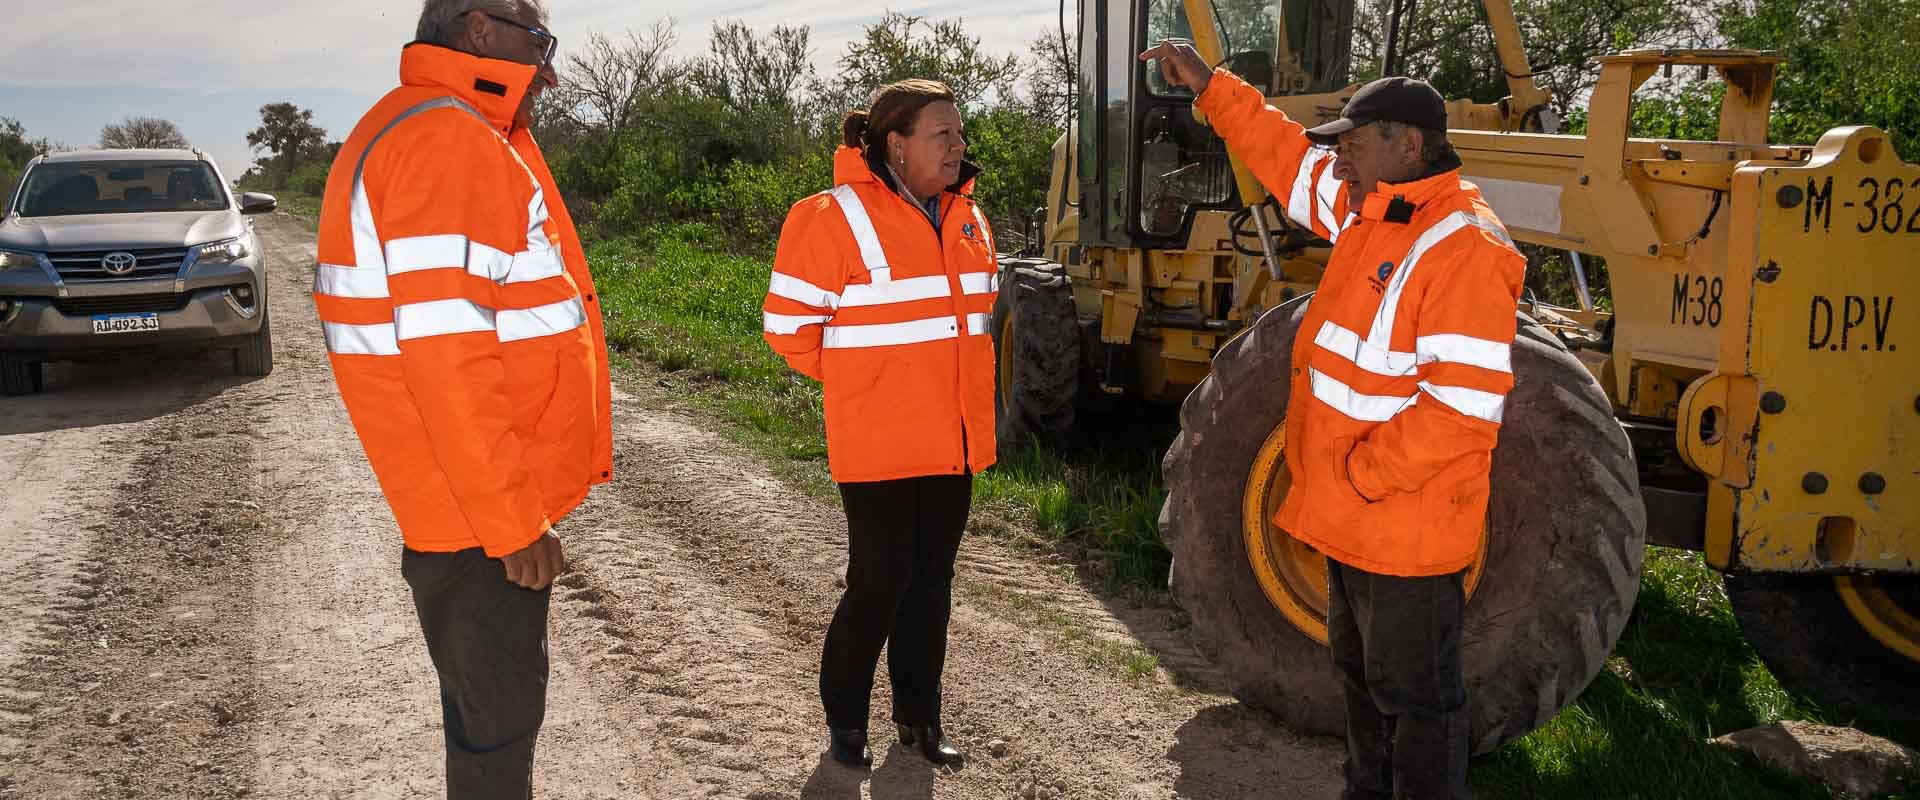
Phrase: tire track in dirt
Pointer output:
(140, 697)
(46, 549)
(64, 456)
(761, 562)
(348, 697)
(220, 614)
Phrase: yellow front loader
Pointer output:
(1745, 395)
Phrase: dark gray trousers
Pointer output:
(488, 639)
(1396, 642)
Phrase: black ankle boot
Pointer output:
(930, 743)
(849, 747)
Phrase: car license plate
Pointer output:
(126, 323)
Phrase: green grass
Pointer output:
(301, 206)
(677, 299)
(1126, 659)
(1681, 673)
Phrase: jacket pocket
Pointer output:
(1342, 479)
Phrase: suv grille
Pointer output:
(84, 265)
(128, 304)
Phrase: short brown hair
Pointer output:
(894, 108)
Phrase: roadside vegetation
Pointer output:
(680, 170)
(1681, 673)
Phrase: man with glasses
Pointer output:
(466, 339)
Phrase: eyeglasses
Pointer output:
(548, 43)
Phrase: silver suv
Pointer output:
(105, 250)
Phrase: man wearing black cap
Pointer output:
(1400, 375)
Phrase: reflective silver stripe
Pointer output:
(536, 209)
(1327, 191)
(366, 240)
(986, 231)
(931, 329)
(1471, 402)
(1363, 407)
(871, 254)
(1491, 227)
(342, 281)
(531, 323)
(1349, 345)
(440, 318)
(789, 324)
(802, 292)
(534, 265)
(485, 262)
(1460, 349)
(361, 340)
(1382, 330)
(1300, 200)
(367, 251)
(454, 251)
(907, 290)
(414, 253)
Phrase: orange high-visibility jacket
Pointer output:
(1403, 362)
(890, 315)
(459, 314)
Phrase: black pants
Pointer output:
(1396, 642)
(902, 537)
(488, 639)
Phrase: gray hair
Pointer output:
(440, 20)
(1433, 141)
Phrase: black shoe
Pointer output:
(930, 743)
(849, 747)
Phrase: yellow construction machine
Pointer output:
(1745, 395)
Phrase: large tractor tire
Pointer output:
(1553, 589)
(1850, 643)
(1036, 346)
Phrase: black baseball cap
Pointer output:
(1390, 100)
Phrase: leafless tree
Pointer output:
(600, 84)
(1053, 73)
(135, 133)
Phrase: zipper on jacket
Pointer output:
(950, 200)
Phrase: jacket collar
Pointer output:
(1396, 202)
(493, 86)
(850, 166)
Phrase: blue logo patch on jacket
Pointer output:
(1386, 268)
(970, 231)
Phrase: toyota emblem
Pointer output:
(118, 263)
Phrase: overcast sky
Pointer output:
(208, 65)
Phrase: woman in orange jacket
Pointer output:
(881, 290)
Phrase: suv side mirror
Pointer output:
(257, 203)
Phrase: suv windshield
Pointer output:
(120, 187)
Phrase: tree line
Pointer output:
(641, 137)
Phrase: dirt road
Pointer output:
(203, 600)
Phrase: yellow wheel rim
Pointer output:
(1880, 614)
(1006, 363)
(1291, 573)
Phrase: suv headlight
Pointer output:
(225, 251)
(10, 259)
